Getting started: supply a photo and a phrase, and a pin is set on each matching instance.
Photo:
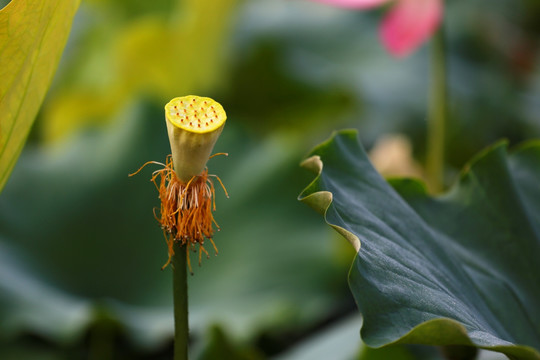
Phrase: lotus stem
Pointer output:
(437, 114)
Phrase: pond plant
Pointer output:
(451, 265)
(187, 195)
(456, 269)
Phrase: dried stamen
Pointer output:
(186, 208)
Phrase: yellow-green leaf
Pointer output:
(161, 55)
(32, 36)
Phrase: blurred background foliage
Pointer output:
(80, 252)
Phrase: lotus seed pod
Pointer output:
(194, 124)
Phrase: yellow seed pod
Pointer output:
(194, 124)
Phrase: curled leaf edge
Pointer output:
(321, 201)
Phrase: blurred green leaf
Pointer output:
(389, 352)
(84, 235)
(460, 269)
(221, 347)
(338, 49)
(339, 341)
(289, 103)
(30, 352)
(129, 9)
(32, 36)
(162, 54)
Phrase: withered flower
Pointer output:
(185, 188)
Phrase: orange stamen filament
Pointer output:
(186, 209)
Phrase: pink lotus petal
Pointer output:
(409, 24)
(354, 4)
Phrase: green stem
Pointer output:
(437, 114)
(181, 328)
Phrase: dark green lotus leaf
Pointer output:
(458, 269)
